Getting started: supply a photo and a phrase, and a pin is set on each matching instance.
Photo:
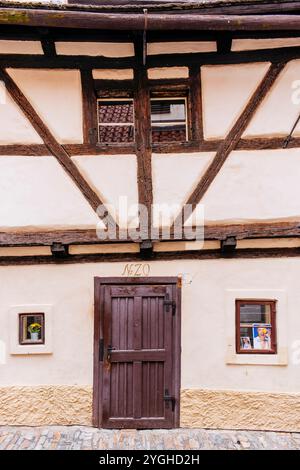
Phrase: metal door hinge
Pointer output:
(170, 304)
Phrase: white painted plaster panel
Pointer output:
(105, 49)
(113, 74)
(20, 47)
(168, 72)
(70, 290)
(37, 193)
(114, 178)
(56, 96)
(15, 127)
(254, 186)
(281, 107)
(225, 92)
(175, 176)
(268, 43)
(180, 47)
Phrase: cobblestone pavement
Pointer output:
(86, 438)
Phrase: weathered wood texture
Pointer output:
(136, 21)
(50, 142)
(211, 232)
(142, 114)
(162, 256)
(233, 137)
(89, 107)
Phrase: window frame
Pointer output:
(121, 124)
(171, 97)
(20, 325)
(272, 303)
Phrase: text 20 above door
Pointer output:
(137, 353)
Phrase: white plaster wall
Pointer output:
(225, 92)
(56, 96)
(15, 127)
(268, 43)
(114, 179)
(185, 47)
(252, 185)
(175, 176)
(255, 185)
(168, 72)
(20, 47)
(69, 288)
(36, 193)
(105, 49)
(281, 107)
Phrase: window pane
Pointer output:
(255, 313)
(169, 134)
(31, 328)
(116, 134)
(168, 110)
(115, 111)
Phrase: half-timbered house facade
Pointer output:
(150, 213)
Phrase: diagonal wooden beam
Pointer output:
(232, 138)
(57, 150)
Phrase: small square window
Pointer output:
(168, 120)
(255, 326)
(115, 121)
(31, 328)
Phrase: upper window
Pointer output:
(115, 121)
(255, 326)
(168, 120)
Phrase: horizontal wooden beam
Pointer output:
(155, 21)
(162, 256)
(264, 229)
(168, 60)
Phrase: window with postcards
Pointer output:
(256, 327)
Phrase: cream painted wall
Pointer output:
(69, 289)
(252, 185)
(279, 111)
(56, 96)
(15, 127)
(105, 49)
(36, 193)
(225, 92)
(112, 177)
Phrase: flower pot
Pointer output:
(34, 336)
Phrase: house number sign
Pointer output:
(136, 270)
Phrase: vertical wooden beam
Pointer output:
(232, 138)
(51, 143)
(195, 99)
(89, 107)
(143, 129)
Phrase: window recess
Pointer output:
(169, 120)
(31, 328)
(115, 121)
(256, 327)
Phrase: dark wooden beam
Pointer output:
(168, 60)
(195, 102)
(161, 256)
(143, 130)
(57, 150)
(89, 108)
(263, 229)
(233, 137)
(156, 21)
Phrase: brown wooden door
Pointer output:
(138, 360)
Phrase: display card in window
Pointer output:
(256, 330)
